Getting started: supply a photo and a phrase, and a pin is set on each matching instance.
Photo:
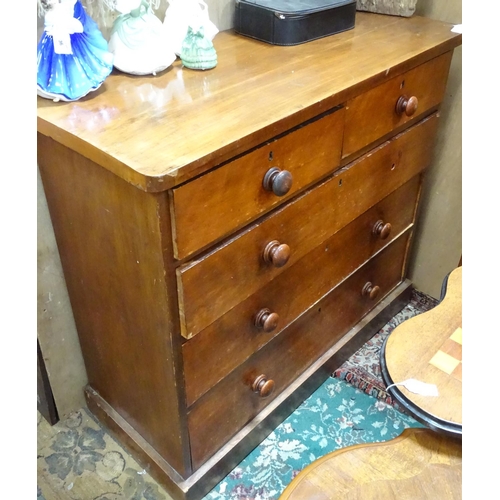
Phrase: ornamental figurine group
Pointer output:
(74, 58)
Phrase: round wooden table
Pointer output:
(428, 348)
(418, 464)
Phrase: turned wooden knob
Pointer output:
(370, 291)
(276, 253)
(278, 181)
(406, 105)
(262, 386)
(266, 320)
(382, 230)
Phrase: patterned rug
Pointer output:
(78, 460)
(362, 369)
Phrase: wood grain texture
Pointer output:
(436, 358)
(417, 464)
(110, 238)
(232, 195)
(212, 424)
(196, 120)
(225, 344)
(218, 281)
(373, 114)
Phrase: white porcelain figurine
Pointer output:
(73, 57)
(138, 41)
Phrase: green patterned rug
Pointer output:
(78, 459)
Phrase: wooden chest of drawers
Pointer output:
(230, 237)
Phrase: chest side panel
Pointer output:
(110, 240)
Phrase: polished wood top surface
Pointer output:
(158, 131)
(428, 347)
(417, 464)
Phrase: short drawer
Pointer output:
(232, 403)
(214, 284)
(376, 113)
(229, 341)
(213, 205)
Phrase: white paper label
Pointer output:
(418, 387)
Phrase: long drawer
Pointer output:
(223, 200)
(406, 97)
(229, 341)
(221, 412)
(214, 284)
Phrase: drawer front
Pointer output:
(223, 200)
(374, 114)
(214, 284)
(223, 411)
(233, 338)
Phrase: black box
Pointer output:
(291, 22)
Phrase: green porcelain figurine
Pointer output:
(198, 51)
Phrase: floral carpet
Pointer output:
(78, 460)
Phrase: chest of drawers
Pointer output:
(229, 238)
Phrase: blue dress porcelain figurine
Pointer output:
(73, 57)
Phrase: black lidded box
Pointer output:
(291, 22)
